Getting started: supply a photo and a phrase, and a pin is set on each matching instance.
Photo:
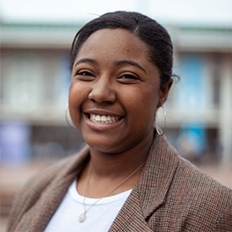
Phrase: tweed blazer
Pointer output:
(171, 195)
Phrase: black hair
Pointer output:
(148, 30)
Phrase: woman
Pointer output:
(128, 178)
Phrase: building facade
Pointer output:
(35, 78)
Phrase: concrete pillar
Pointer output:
(225, 120)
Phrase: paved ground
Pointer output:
(12, 178)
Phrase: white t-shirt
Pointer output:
(99, 217)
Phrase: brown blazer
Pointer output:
(172, 195)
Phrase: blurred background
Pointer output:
(35, 40)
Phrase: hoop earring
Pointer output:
(66, 117)
(158, 130)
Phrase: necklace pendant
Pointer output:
(82, 217)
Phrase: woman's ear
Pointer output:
(164, 92)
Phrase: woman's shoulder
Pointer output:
(197, 179)
(43, 178)
(34, 187)
(200, 196)
(199, 183)
(32, 190)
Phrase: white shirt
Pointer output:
(99, 217)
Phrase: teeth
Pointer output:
(103, 118)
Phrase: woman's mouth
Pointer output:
(103, 118)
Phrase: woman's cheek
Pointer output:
(78, 92)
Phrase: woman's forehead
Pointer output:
(114, 42)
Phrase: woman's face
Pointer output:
(114, 91)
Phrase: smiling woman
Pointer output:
(115, 86)
(127, 178)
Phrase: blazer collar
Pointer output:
(157, 175)
(151, 190)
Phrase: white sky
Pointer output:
(215, 12)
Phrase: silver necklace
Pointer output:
(83, 216)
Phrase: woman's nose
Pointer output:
(102, 91)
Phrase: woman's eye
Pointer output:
(85, 76)
(128, 78)
(85, 73)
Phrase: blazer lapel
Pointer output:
(130, 217)
(157, 176)
(150, 191)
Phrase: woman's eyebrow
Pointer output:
(130, 62)
(85, 60)
(118, 63)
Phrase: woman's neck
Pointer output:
(118, 164)
(104, 170)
